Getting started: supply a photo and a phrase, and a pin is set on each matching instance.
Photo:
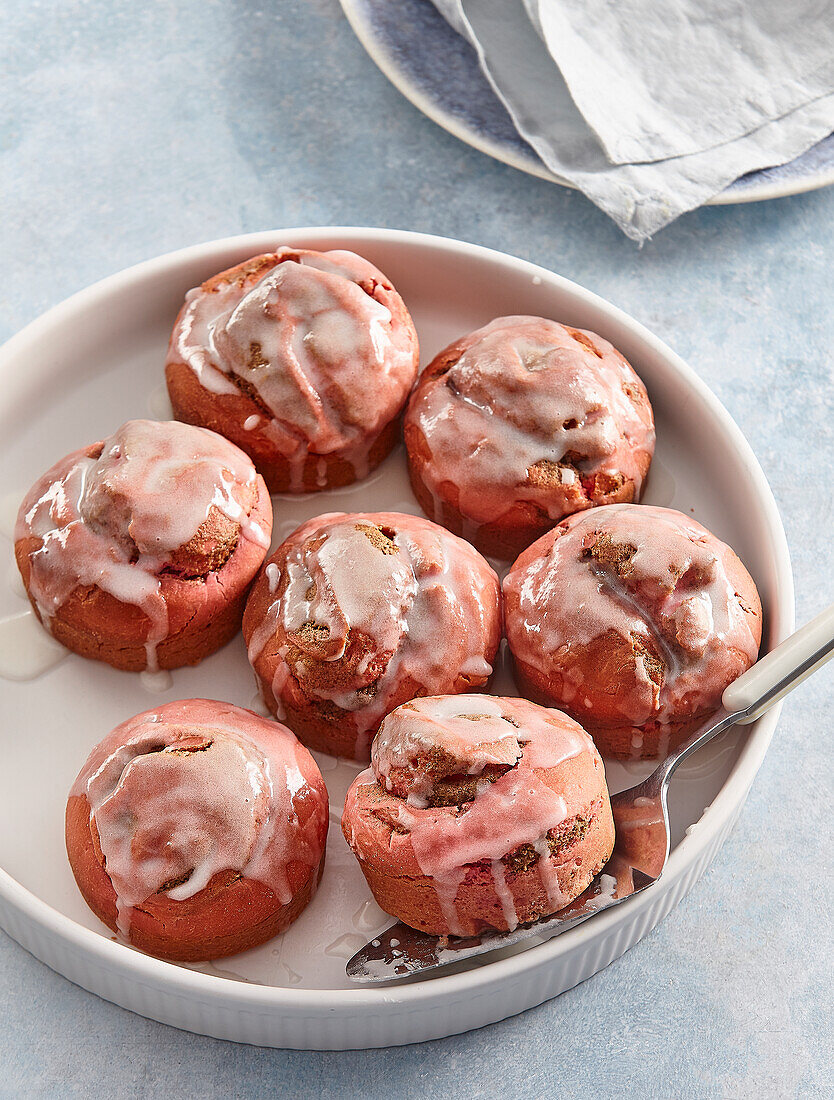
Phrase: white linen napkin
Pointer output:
(656, 80)
(657, 143)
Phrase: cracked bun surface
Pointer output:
(303, 359)
(356, 613)
(479, 812)
(139, 550)
(634, 620)
(197, 830)
(521, 423)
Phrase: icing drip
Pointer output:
(509, 810)
(526, 392)
(26, 651)
(548, 876)
(308, 334)
(504, 893)
(113, 516)
(323, 589)
(654, 577)
(156, 682)
(391, 597)
(193, 789)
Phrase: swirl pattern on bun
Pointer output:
(140, 550)
(197, 830)
(304, 359)
(356, 613)
(521, 423)
(479, 812)
(634, 620)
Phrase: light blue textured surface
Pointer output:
(128, 130)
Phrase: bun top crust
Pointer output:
(660, 615)
(466, 779)
(526, 409)
(320, 342)
(196, 787)
(155, 499)
(354, 605)
(431, 744)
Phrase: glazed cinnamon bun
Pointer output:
(303, 359)
(140, 550)
(479, 812)
(522, 422)
(634, 620)
(355, 614)
(197, 830)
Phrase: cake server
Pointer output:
(641, 820)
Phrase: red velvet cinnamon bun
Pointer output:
(304, 359)
(479, 812)
(197, 830)
(355, 614)
(634, 620)
(140, 550)
(521, 423)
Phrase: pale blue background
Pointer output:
(128, 130)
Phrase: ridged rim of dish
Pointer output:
(531, 164)
(134, 964)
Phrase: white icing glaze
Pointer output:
(674, 596)
(192, 789)
(376, 606)
(468, 730)
(25, 650)
(156, 682)
(15, 580)
(428, 601)
(159, 403)
(548, 875)
(257, 704)
(9, 506)
(524, 391)
(345, 945)
(504, 893)
(368, 917)
(292, 977)
(308, 334)
(113, 520)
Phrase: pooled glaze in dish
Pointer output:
(353, 614)
(117, 515)
(498, 799)
(318, 343)
(632, 618)
(523, 422)
(179, 794)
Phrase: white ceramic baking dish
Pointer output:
(77, 372)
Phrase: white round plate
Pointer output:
(438, 71)
(76, 373)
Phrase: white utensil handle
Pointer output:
(779, 672)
